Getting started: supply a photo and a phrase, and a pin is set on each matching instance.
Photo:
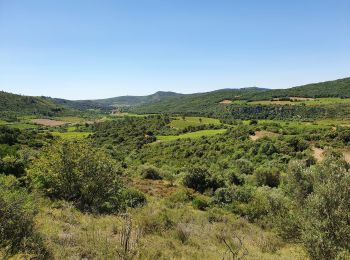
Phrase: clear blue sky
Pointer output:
(82, 49)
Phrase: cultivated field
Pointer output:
(48, 122)
(192, 135)
(72, 135)
(183, 122)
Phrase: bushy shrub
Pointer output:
(326, 232)
(133, 198)
(81, 174)
(150, 172)
(235, 178)
(298, 182)
(233, 194)
(200, 202)
(267, 175)
(265, 204)
(224, 195)
(11, 165)
(200, 179)
(17, 212)
(245, 166)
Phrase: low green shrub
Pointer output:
(17, 212)
(200, 202)
(200, 179)
(133, 198)
(150, 172)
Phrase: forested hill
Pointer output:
(211, 100)
(336, 88)
(135, 100)
(13, 105)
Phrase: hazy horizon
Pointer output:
(91, 50)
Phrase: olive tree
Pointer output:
(77, 172)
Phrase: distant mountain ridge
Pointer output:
(135, 100)
(195, 103)
(167, 101)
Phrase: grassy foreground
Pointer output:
(160, 230)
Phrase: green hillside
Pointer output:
(238, 103)
(135, 100)
(336, 88)
(14, 105)
(78, 104)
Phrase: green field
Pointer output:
(19, 125)
(181, 123)
(192, 135)
(304, 125)
(129, 114)
(72, 135)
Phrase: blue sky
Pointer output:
(81, 49)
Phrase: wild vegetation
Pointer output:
(165, 186)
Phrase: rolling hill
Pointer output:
(134, 100)
(219, 103)
(210, 102)
(12, 105)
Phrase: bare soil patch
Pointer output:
(48, 122)
(346, 155)
(226, 101)
(261, 134)
(318, 153)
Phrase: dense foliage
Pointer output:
(81, 174)
(17, 212)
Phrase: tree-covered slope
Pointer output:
(78, 104)
(135, 100)
(13, 105)
(336, 88)
(210, 102)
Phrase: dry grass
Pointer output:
(157, 188)
(261, 134)
(226, 102)
(156, 232)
